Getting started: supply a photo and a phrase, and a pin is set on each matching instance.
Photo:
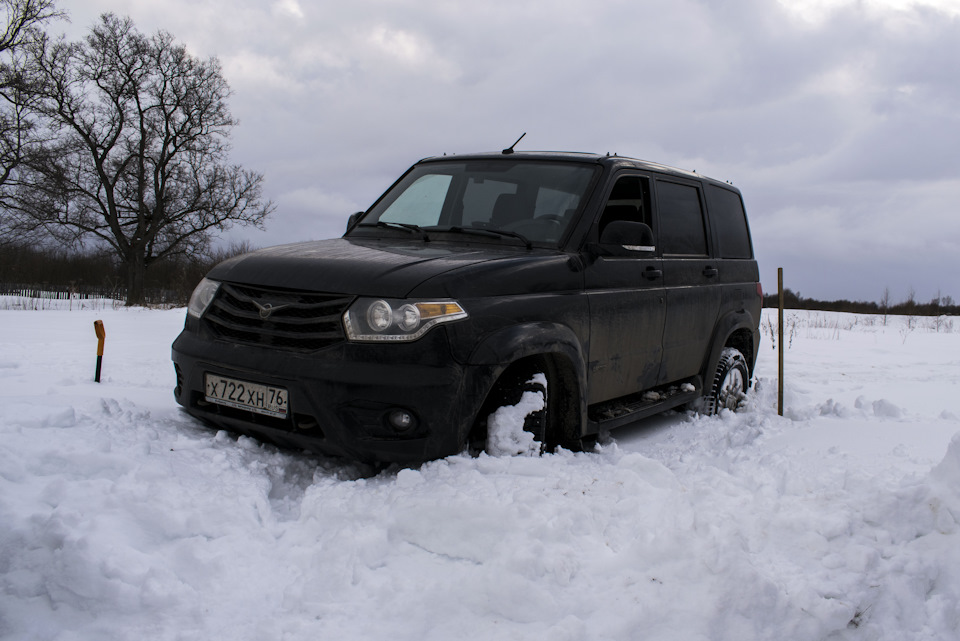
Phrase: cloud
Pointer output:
(252, 70)
(817, 12)
(289, 8)
(410, 51)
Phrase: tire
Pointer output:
(538, 423)
(508, 391)
(729, 388)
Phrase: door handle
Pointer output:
(652, 273)
(710, 271)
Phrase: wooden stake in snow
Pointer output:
(101, 335)
(780, 342)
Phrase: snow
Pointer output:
(506, 436)
(122, 518)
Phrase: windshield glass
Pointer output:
(533, 200)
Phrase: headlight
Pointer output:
(370, 319)
(202, 297)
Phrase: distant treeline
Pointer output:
(938, 306)
(29, 270)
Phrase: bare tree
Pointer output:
(885, 304)
(936, 308)
(141, 142)
(17, 133)
(23, 19)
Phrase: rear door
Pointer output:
(690, 277)
(732, 243)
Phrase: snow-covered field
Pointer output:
(122, 518)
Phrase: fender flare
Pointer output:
(726, 326)
(506, 346)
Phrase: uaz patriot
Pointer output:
(628, 286)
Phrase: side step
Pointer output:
(627, 409)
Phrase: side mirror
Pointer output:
(353, 219)
(630, 235)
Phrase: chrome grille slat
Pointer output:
(274, 330)
(252, 314)
(300, 321)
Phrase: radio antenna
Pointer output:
(509, 150)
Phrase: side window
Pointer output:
(629, 200)
(681, 220)
(729, 223)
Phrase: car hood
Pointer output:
(349, 266)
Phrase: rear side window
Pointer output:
(682, 232)
(729, 223)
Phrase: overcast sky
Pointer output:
(838, 119)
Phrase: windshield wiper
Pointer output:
(493, 233)
(410, 228)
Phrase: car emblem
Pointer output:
(266, 310)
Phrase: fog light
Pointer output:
(402, 420)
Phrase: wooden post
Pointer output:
(780, 342)
(101, 335)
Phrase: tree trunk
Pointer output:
(136, 269)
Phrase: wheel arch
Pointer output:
(736, 330)
(550, 346)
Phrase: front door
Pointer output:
(626, 297)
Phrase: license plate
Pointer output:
(262, 399)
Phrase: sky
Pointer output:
(838, 119)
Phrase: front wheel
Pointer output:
(729, 387)
(518, 415)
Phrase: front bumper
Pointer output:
(340, 397)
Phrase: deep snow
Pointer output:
(122, 518)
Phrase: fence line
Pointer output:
(55, 292)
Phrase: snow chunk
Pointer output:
(407, 478)
(505, 434)
(948, 470)
(885, 408)
(832, 408)
(882, 408)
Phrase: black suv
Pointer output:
(629, 287)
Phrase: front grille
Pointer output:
(301, 321)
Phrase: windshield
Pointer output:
(531, 200)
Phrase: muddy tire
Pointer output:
(729, 386)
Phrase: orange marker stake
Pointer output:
(101, 335)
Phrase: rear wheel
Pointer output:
(730, 381)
